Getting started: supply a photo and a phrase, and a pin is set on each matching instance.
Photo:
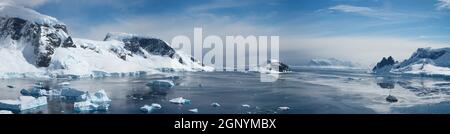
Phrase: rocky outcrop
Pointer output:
(39, 36)
(384, 65)
(141, 45)
(278, 66)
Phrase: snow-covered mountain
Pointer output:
(34, 44)
(330, 62)
(425, 61)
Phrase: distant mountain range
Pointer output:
(331, 62)
(425, 61)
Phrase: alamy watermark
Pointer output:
(236, 53)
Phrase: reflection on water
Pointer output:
(387, 85)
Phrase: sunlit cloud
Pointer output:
(443, 4)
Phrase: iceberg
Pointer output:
(64, 83)
(161, 84)
(100, 97)
(23, 103)
(68, 93)
(215, 104)
(148, 109)
(5, 112)
(180, 100)
(246, 105)
(284, 108)
(34, 92)
(85, 106)
(97, 102)
(195, 110)
(71, 93)
(157, 106)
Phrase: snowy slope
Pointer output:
(36, 45)
(425, 61)
(92, 57)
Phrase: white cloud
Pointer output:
(443, 4)
(222, 4)
(352, 9)
(169, 26)
(25, 3)
(372, 12)
(214, 5)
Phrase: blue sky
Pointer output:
(357, 30)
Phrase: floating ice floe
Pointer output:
(34, 92)
(68, 93)
(215, 104)
(246, 105)
(23, 103)
(5, 112)
(10, 86)
(97, 102)
(147, 108)
(161, 84)
(72, 93)
(195, 110)
(284, 108)
(180, 100)
(64, 83)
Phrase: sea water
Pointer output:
(303, 91)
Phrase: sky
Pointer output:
(361, 31)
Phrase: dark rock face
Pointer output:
(281, 66)
(425, 53)
(150, 45)
(141, 45)
(386, 85)
(43, 38)
(384, 62)
(391, 99)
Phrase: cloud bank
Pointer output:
(26, 3)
